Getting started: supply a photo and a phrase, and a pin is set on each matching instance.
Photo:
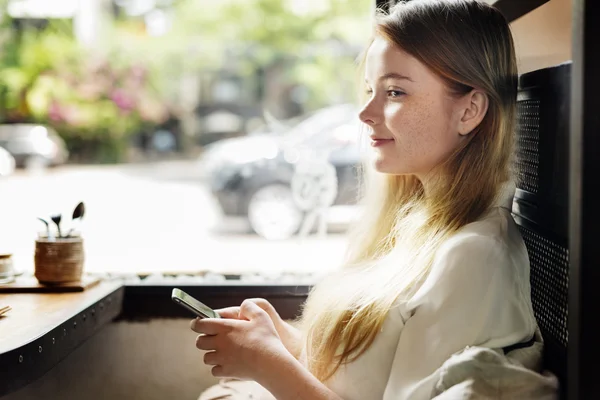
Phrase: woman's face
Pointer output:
(414, 121)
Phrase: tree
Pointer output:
(282, 50)
(314, 47)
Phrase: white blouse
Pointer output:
(477, 294)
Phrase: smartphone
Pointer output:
(185, 300)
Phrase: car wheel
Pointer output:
(35, 162)
(272, 212)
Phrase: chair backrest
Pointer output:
(540, 206)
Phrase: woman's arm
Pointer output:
(290, 380)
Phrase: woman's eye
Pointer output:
(395, 93)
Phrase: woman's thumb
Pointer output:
(250, 310)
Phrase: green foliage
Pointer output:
(131, 80)
(46, 77)
(243, 36)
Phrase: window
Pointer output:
(179, 124)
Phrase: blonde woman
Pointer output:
(438, 263)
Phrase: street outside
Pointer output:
(148, 218)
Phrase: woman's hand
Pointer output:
(245, 344)
(290, 336)
(248, 347)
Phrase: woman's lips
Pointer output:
(380, 142)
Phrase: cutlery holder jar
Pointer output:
(59, 260)
(6, 268)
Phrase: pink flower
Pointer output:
(55, 112)
(138, 72)
(122, 100)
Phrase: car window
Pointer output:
(321, 122)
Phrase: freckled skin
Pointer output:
(418, 113)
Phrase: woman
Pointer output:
(438, 264)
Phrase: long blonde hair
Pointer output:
(469, 45)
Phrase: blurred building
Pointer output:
(88, 15)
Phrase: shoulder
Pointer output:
(494, 235)
(479, 278)
(485, 254)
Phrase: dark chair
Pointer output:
(540, 206)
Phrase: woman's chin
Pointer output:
(380, 165)
(384, 166)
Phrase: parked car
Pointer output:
(33, 145)
(250, 177)
(7, 163)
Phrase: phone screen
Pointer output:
(179, 296)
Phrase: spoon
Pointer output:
(47, 226)
(79, 210)
(49, 234)
(56, 219)
(78, 213)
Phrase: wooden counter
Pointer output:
(43, 328)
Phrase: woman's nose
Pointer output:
(367, 116)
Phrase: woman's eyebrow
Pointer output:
(392, 75)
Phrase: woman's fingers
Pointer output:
(217, 372)
(211, 326)
(234, 312)
(250, 310)
(211, 358)
(206, 342)
(229, 312)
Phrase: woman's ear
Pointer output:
(476, 106)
